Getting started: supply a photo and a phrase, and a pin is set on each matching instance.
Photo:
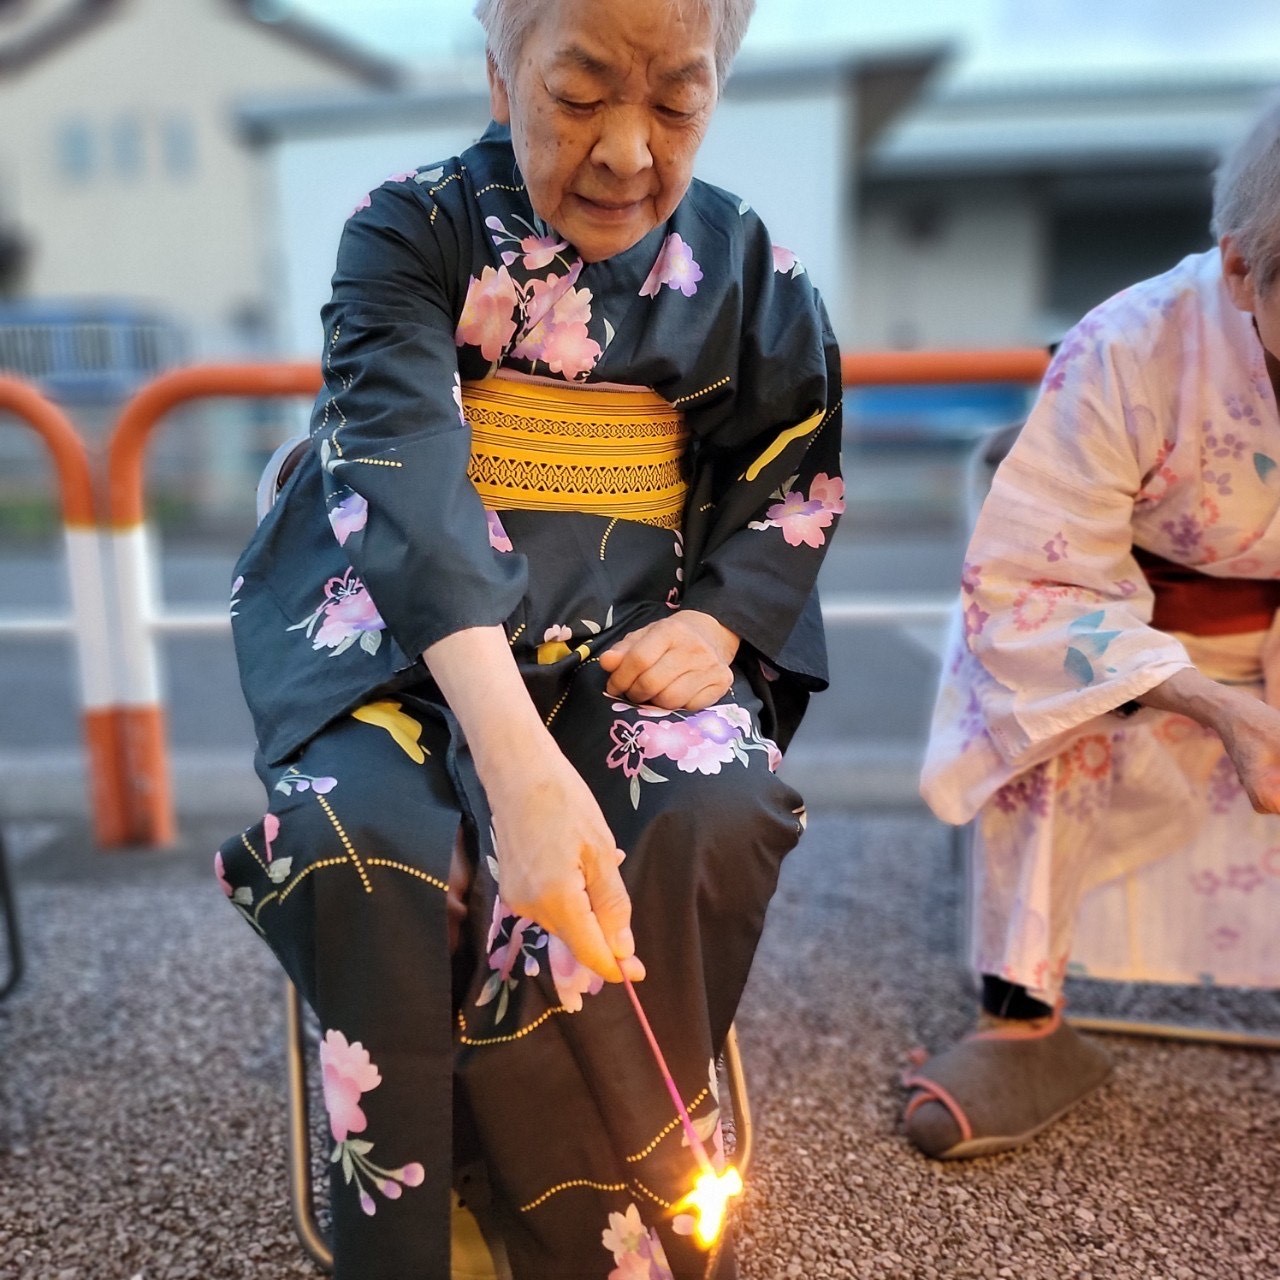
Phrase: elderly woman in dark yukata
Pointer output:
(523, 637)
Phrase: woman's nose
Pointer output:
(623, 144)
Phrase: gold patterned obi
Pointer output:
(609, 452)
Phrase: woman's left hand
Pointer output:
(679, 663)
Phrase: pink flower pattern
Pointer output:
(785, 262)
(694, 741)
(348, 1073)
(803, 519)
(636, 1250)
(675, 267)
(488, 319)
(558, 336)
(347, 615)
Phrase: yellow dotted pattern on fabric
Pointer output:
(605, 540)
(653, 1195)
(674, 1124)
(515, 635)
(376, 462)
(346, 843)
(706, 391)
(409, 871)
(440, 186)
(257, 911)
(497, 186)
(567, 1186)
(555, 711)
(515, 1035)
(253, 853)
(315, 866)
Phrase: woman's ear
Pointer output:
(1237, 275)
(499, 101)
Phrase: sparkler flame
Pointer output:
(709, 1201)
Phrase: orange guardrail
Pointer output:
(87, 622)
(147, 796)
(889, 368)
(140, 715)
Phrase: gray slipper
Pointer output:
(996, 1089)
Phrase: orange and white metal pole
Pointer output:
(140, 714)
(88, 623)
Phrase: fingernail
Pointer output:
(634, 969)
(624, 943)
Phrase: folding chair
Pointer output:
(279, 468)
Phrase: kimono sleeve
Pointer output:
(389, 429)
(778, 492)
(1055, 606)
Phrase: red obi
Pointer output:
(1190, 601)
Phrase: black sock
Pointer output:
(1004, 999)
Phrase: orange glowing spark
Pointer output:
(709, 1200)
(712, 1192)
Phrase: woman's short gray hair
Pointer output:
(1246, 197)
(507, 22)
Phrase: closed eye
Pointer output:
(579, 108)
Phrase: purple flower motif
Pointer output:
(975, 618)
(498, 539)
(1244, 877)
(349, 612)
(270, 830)
(675, 267)
(348, 517)
(1056, 548)
(1206, 882)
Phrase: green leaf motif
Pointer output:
(243, 896)
(279, 870)
(1263, 465)
(360, 1146)
(348, 1167)
(649, 776)
(1078, 666)
(635, 791)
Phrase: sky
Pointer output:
(992, 37)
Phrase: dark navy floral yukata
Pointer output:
(445, 277)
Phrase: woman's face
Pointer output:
(608, 103)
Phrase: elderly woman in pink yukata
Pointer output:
(1107, 716)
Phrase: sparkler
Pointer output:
(712, 1192)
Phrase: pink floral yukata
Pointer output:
(446, 276)
(1156, 427)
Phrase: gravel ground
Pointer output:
(142, 1098)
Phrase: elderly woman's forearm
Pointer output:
(481, 683)
(1191, 694)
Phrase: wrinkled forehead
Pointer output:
(602, 38)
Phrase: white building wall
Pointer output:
(191, 242)
(961, 272)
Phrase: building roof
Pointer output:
(49, 30)
(967, 129)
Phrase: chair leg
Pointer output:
(742, 1127)
(301, 1194)
(9, 905)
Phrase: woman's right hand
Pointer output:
(558, 861)
(1248, 727)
